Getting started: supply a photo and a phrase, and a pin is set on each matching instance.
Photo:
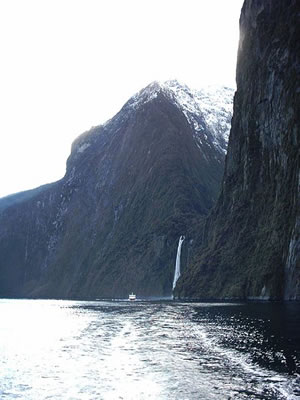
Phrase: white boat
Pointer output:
(132, 297)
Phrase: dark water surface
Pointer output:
(148, 350)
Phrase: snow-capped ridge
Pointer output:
(206, 109)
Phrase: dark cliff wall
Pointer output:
(252, 239)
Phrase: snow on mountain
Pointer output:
(208, 110)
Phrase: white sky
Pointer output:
(67, 65)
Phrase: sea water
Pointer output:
(148, 350)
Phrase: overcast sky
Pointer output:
(67, 65)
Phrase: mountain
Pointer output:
(252, 237)
(132, 187)
(19, 197)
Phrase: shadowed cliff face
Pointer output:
(112, 224)
(252, 245)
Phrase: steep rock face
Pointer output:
(132, 187)
(252, 247)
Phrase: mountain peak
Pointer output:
(209, 107)
(182, 94)
(207, 110)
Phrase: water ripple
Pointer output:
(148, 350)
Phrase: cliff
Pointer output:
(252, 236)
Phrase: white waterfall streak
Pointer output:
(177, 266)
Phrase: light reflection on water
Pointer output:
(148, 350)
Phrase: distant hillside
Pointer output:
(19, 197)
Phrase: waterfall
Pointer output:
(177, 266)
